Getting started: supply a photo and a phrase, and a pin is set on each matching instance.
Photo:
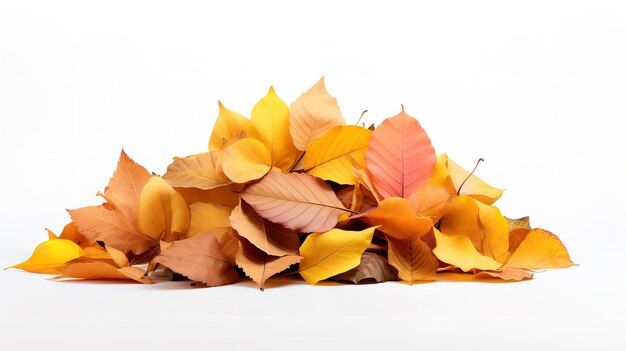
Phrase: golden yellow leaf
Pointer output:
(397, 218)
(207, 216)
(458, 250)
(103, 270)
(336, 251)
(540, 250)
(331, 156)
(516, 236)
(312, 115)
(229, 127)
(51, 256)
(269, 237)
(246, 160)
(413, 259)
(196, 171)
(163, 213)
(474, 186)
(484, 225)
(269, 123)
(433, 198)
(260, 266)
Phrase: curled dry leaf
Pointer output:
(297, 201)
(399, 156)
(199, 258)
(312, 115)
(372, 267)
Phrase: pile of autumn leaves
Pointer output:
(295, 190)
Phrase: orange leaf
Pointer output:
(103, 270)
(400, 156)
(260, 266)
(270, 237)
(312, 115)
(200, 259)
(540, 250)
(413, 259)
(433, 198)
(397, 218)
(297, 201)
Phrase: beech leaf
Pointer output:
(336, 251)
(400, 156)
(312, 115)
(200, 259)
(297, 201)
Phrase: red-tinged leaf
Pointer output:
(199, 258)
(400, 156)
(297, 201)
(98, 223)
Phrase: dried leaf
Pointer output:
(297, 201)
(223, 195)
(195, 171)
(506, 273)
(372, 266)
(207, 216)
(51, 256)
(200, 259)
(433, 198)
(312, 115)
(269, 237)
(331, 156)
(458, 250)
(269, 123)
(400, 156)
(473, 187)
(515, 223)
(540, 250)
(246, 160)
(516, 236)
(336, 251)
(397, 218)
(413, 259)
(229, 127)
(260, 266)
(163, 213)
(103, 270)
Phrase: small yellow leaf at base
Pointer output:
(51, 256)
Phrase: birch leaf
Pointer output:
(312, 115)
(336, 251)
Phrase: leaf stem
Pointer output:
(360, 117)
(458, 192)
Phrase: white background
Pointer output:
(537, 88)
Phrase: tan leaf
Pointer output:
(506, 273)
(103, 270)
(413, 259)
(195, 171)
(297, 201)
(200, 259)
(260, 266)
(372, 266)
(312, 115)
(270, 237)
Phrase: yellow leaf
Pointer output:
(484, 225)
(336, 251)
(229, 127)
(269, 123)
(397, 218)
(223, 195)
(51, 256)
(540, 250)
(474, 186)
(196, 171)
(433, 198)
(163, 213)
(413, 259)
(246, 160)
(206, 216)
(458, 250)
(312, 115)
(331, 157)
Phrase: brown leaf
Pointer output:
(506, 273)
(260, 266)
(98, 223)
(103, 270)
(270, 237)
(372, 266)
(200, 259)
(222, 195)
(413, 259)
(297, 201)
(516, 236)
